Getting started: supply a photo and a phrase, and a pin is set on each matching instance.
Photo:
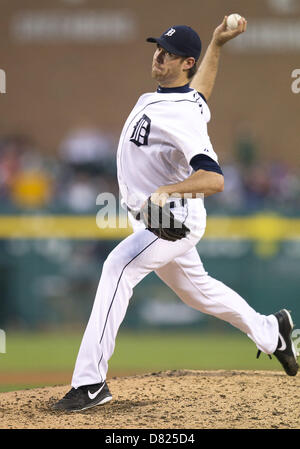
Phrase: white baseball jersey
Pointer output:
(160, 137)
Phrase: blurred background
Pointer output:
(74, 70)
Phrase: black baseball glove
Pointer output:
(161, 221)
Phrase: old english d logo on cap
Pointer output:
(170, 32)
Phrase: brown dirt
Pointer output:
(40, 378)
(168, 400)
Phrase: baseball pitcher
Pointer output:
(166, 167)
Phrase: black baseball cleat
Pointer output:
(285, 351)
(84, 397)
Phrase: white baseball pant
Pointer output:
(178, 264)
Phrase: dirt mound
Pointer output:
(182, 399)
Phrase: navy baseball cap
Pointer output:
(180, 40)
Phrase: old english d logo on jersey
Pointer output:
(141, 131)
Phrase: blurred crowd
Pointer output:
(69, 181)
(84, 165)
(254, 183)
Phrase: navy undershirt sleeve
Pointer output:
(202, 96)
(204, 162)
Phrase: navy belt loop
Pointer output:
(182, 203)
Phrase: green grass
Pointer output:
(43, 351)
(134, 353)
(4, 388)
(164, 351)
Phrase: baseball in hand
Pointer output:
(232, 21)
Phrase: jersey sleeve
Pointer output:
(203, 162)
(187, 131)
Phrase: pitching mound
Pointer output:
(168, 400)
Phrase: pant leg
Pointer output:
(187, 277)
(135, 257)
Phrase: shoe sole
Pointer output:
(102, 402)
(290, 318)
(292, 327)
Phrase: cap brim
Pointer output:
(151, 39)
(165, 45)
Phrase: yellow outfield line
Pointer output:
(256, 227)
(57, 226)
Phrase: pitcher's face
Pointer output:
(167, 67)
